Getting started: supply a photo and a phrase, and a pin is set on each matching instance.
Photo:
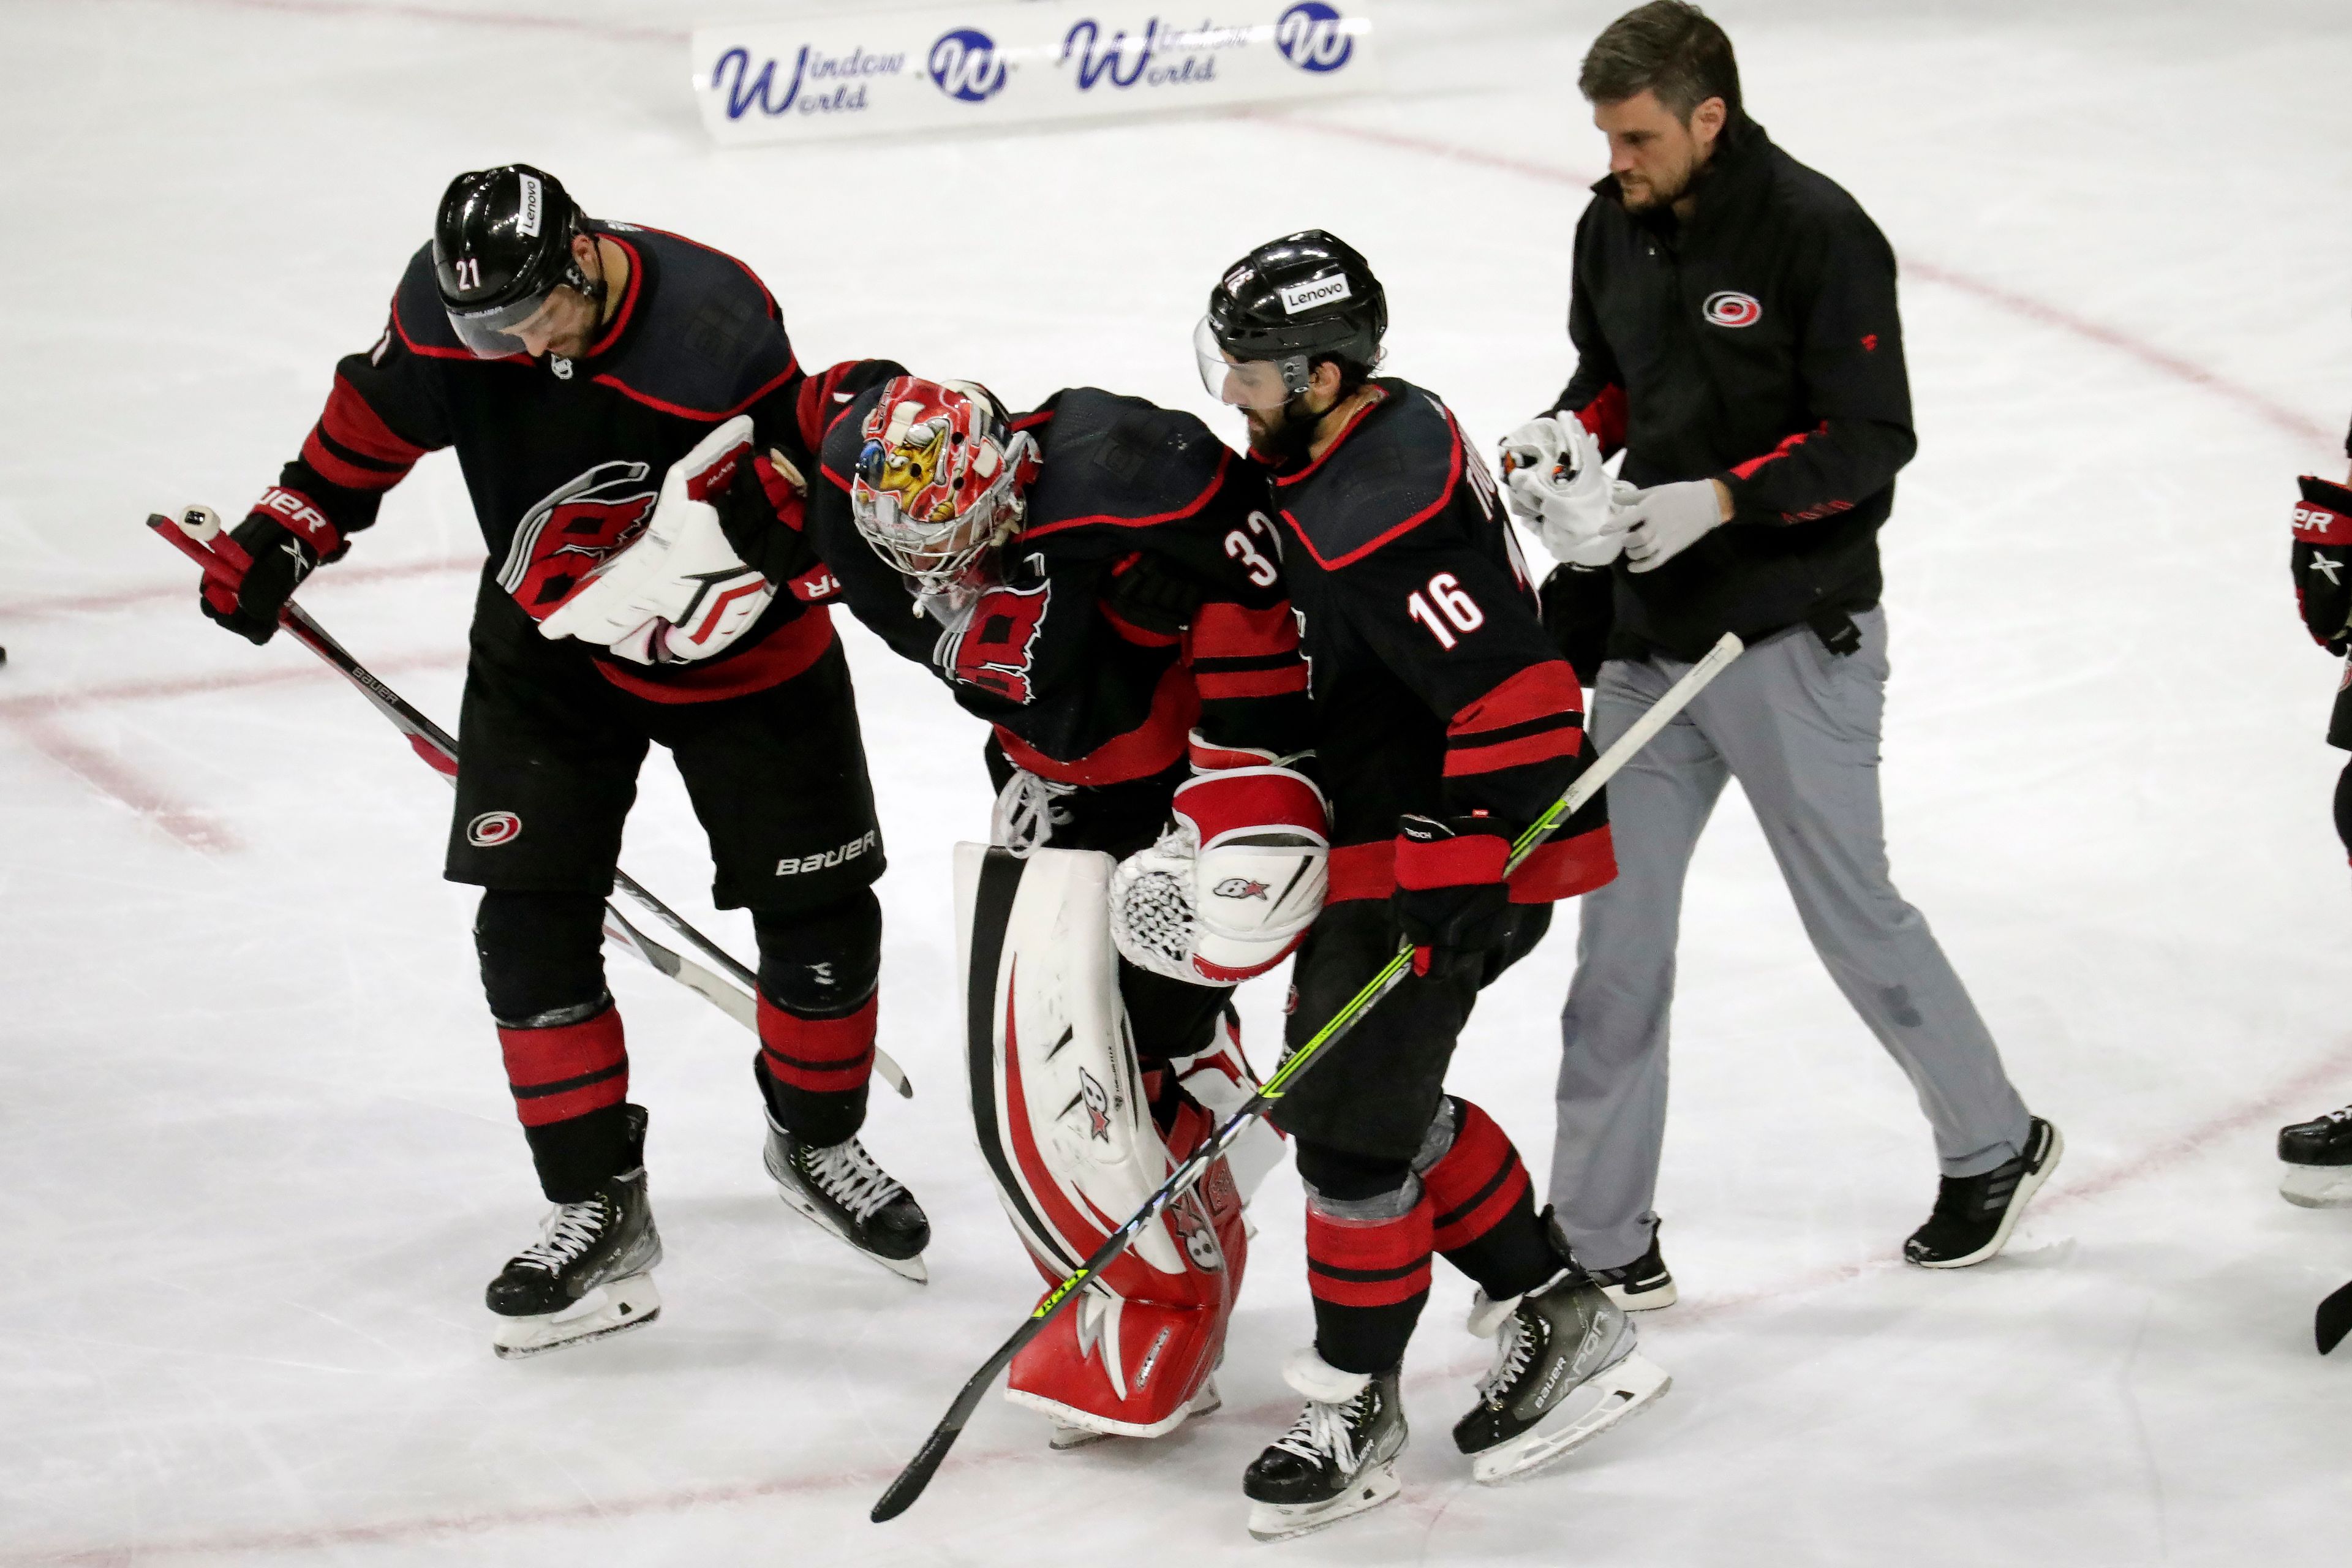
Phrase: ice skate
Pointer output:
(1643, 1285)
(2318, 1155)
(1974, 1214)
(1069, 1435)
(842, 1190)
(1337, 1459)
(589, 1272)
(1565, 1371)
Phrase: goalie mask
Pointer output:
(939, 480)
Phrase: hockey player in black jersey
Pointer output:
(598, 380)
(1446, 721)
(1100, 579)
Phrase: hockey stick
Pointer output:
(911, 1482)
(438, 750)
(2333, 1321)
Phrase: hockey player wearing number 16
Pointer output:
(1100, 579)
(600, 382)
(1446, 723)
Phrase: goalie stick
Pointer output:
(902, 1492)
(434, 745)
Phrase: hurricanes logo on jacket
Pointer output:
(1730, 308)
(573, 529)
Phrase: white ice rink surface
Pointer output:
(256, 1155)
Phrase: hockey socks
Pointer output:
(1482, 1216)
(568, 1071)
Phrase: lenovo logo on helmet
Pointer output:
(1297, 297)
(527, 222)
(1729, 308)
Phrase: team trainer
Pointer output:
(1734, 324)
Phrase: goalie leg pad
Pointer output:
(1063, 1122)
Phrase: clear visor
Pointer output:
(1245, 384)
(491, 333)
(938, 557)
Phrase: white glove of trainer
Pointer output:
(1557, 486)
(679, 591)
(1661, 522)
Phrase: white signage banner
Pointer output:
(998, 64)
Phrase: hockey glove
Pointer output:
(1579, 609)
(1155, 595)
(1451, 902)
(266, 562)
(1661, 522)
(680, 591)
(1233, 885)
(2323, 562)
(1555, 485)
(764, 513)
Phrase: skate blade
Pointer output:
(2318, 1186)
(612, 1307)
(1281, 1520)
(2010, 1218)
(1642, 1300)
(904, 1268)
(1593, 1406)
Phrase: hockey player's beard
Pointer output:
(1282, 436)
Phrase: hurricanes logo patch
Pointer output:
(493, 828)
(1730, 308)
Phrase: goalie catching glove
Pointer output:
(2323, 562)
(680, 591)
(1233, 885)
(1552, 473)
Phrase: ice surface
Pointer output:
(255, 1148)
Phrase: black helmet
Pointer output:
(1291, 301)
(501, 244)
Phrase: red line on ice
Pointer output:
(114, 777)
(119, 598)
(2175, 1150)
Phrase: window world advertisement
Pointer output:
(893, 72)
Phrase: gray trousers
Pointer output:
(1799, 728)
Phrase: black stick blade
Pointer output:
(2333, 1322)
(902, 1492)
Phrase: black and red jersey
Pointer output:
(1436, 689)
(564, 458)
(1076, 692)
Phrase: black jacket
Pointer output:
(1756, 344)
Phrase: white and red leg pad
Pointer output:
(1066, 1133)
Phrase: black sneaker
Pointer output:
(2318, 1155)
(589, 1272)
(842, 1189)
(1643, 1285)
(1337, 1459)
(1974, 1214)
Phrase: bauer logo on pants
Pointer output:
(825, 859)
(493, 828)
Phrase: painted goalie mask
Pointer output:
(939, 480)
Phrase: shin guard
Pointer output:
(1063, 1122)
(1482, 1206)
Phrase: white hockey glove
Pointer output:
(680, 591)
(1661, 522)
(1557, 486)
(1232, 886)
